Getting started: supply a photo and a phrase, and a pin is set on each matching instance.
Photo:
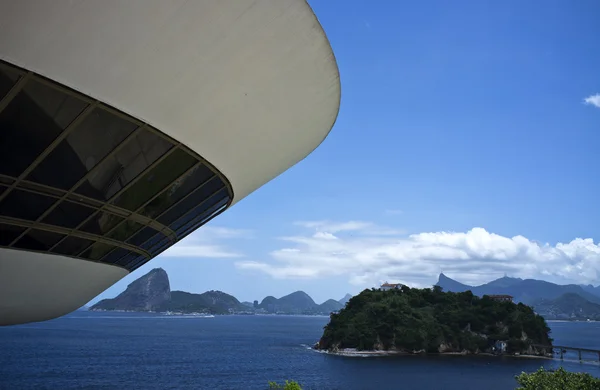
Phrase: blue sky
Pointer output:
(464, 143)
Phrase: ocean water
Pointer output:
(87, 350)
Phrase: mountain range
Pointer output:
(152, 293)
(553, 301)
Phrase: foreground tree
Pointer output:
(557, 380)
(288, 385)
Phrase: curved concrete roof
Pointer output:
(252, 86)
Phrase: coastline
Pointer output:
(353, 352)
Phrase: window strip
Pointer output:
(86, 111)
(70, 232)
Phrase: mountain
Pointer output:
(451, 285)
(329, 306)
(152, 292)
(345, 300)
(148, 293)
(568, 306)
(298, 302)
(213, 302)
(527, 291)
(591, 289)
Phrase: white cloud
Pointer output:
(594, 100)
(206, 243)
(474, 257)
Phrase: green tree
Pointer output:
(288, 385)
(557, 380)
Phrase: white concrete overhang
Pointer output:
(251, 86)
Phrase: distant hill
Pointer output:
(152, 292)
(213, 302)
(568, 306)
(345, 300)
(148, 293)
(298, 302)
(527, 291)
(451, 285)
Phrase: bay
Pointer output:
(148, 351)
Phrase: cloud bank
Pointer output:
(367, 254)
(208, 242)
(593, 100)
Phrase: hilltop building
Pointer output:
(502, 298)
(390, 286)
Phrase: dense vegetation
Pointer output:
(430, 320)
(557, 380)
(288, 385)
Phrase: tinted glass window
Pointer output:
(125, 230)
(115, 255)
(68, 214)
(98, 134)
(9, 232)
(97, 251)
(131, 259)
(38, 240)
(8, 78)
(131, 160)
(25, 205)
(101, 223)
(72, 246)
(142, 236)
(29, 124)
(155, 243)
(200, 195)
(199, 213)
(178, 190)
(155, 180)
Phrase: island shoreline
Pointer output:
(350, 352)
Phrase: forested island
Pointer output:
(426, 320)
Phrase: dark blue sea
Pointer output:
(87, 350)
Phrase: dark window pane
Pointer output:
(154, 241)
(131, 259)
(200, 195)
(8, 78)
(97, 251)
(9, 232)
(138, 262)
(72, 246)
(131, 160)
(95, 137)
(39, 240)
(178, 190)
(155, 180)
(101, 223)
(25, 205)
(199, 214)
(68, 214)
(125, 230)
(29, 124)
(142, 236)
(114, 256)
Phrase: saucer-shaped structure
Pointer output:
(126, 125)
